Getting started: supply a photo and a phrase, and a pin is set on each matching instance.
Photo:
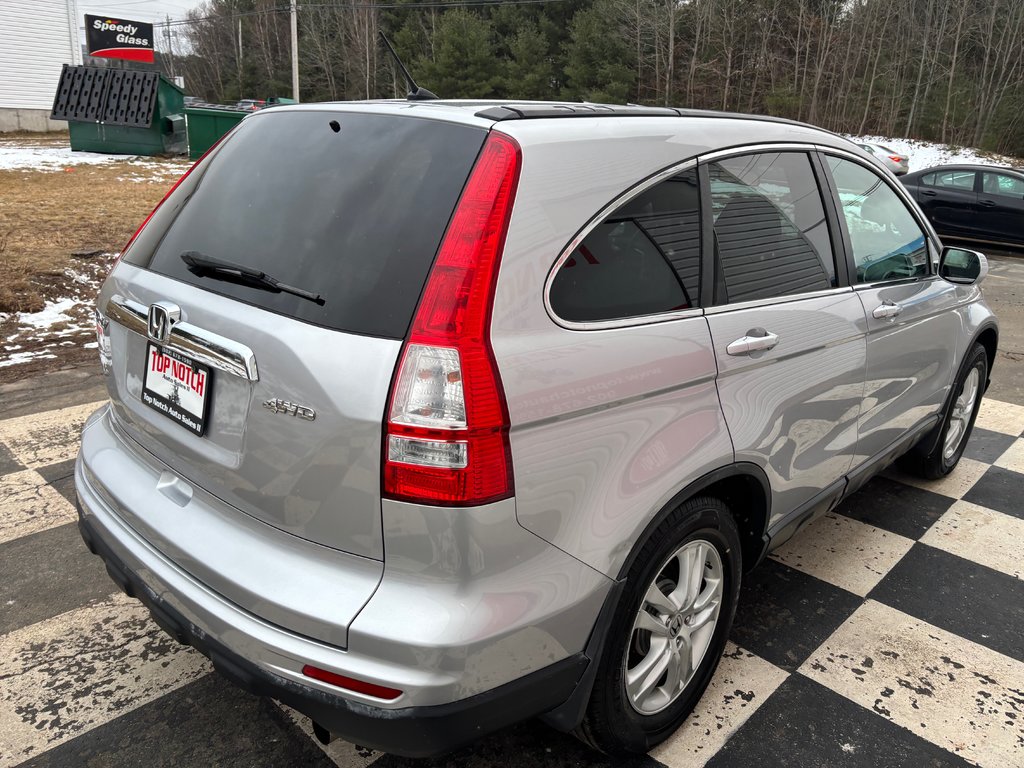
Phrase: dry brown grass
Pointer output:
(45, 215)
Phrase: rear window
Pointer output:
(350, 206)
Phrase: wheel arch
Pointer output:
(744, 488)
(988, 337)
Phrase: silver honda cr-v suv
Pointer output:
(426, 418)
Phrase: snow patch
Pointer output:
(16, 156)
(927, 154)
(24, 357)
(50, 315)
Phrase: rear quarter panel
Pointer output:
(607, 425)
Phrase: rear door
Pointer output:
(349, 208)
(787, 331)
(949, 200)
(910, 355)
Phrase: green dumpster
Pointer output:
(120, 111)
(206, 123)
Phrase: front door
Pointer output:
(909, 357)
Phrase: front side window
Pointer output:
(1003, 184)
(770, 232)
(887, 242)
(644, 259)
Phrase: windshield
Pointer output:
(351, 206)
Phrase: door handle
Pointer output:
(885, 310)
(928, 193)
(756, 340)
(987, 203)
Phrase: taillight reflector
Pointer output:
(447, 429)
(351, 683)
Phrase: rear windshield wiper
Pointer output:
(201, 264)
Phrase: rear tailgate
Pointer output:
(350, 206)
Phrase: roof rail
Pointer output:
(514, 111)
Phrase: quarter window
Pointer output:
(644, 259)
(887, 242)
(770, 232)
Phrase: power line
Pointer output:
(427, 4)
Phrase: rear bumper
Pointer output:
(409, 731)
(472, 648)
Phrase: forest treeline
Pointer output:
(945, 70)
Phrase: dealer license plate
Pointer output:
(177, 386)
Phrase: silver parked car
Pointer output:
(894, 161)
(426, 418)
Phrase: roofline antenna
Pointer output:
(415, 92)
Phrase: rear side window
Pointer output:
(961, 180)
(644, 259)
(771, 235)
(350, 206)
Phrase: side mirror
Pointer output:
(959, 265)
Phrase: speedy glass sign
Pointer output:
(112, 37)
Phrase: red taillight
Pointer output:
(896, 158)
(447, 430)
(350, 683)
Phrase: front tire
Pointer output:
(955, 428)
(669, 629)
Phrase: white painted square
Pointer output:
(844, 552)
(998, 416)
(742, 683)
(954, 485)
(947, 690)
(76, 671)
(40, 439)
(29, 505)
(1013, 457)
(981, 535)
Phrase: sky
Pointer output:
(138, 10)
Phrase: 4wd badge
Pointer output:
(283, 406)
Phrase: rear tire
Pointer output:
(669, 630)
(957, 422)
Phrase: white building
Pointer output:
(36, 38)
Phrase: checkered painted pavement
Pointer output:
(890, 633)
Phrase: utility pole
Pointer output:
(240, 94)
(295, 51)
(170, 50)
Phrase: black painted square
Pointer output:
(999, 489)
(987, 446)
(207, 723)
(960, 596)
(62, 477)
(8, 462)
(530, 744)
(807, 725)
(896, 507)
(47, 573)
(784, 615)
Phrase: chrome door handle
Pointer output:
(885, 310)
(756, 340)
